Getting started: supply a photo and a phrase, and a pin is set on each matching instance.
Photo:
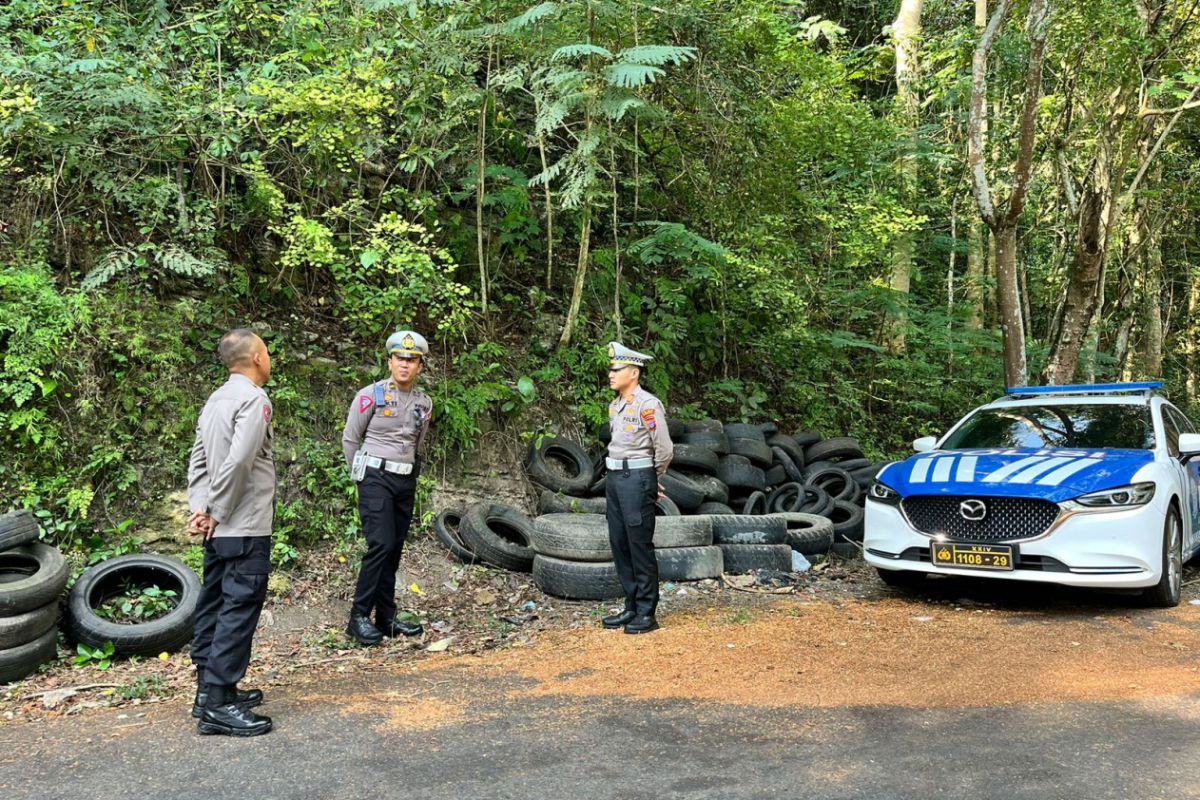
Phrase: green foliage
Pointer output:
(98, 657)
(136, 604)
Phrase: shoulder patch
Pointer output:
(648, 418)
(267, 413)
(364, 403)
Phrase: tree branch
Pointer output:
(1039, 29)
(978, 112)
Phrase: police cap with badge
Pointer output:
(407, 343)
(620, 356)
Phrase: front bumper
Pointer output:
(1108, 549)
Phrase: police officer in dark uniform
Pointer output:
(387, 422)
(639, 452)
(231, 492)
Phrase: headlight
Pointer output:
(1137, 494)
(882, 493)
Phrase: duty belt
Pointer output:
(394, 467)
(629, 463)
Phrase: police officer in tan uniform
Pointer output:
(387, 422)
(231, 492)
(639, 452)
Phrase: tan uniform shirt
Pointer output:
(387, 422)
(231, 474)
(639, 429)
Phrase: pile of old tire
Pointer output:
(33, 576)
(115, 576)
(574, 559)
(724, 469)
(495, 534)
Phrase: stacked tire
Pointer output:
(33, 576)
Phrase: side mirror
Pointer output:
(1189, 444)
(925, 444)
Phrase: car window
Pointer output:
(1081, 426)
(1181, 422)
(1170, 431)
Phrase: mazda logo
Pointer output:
(972, 510)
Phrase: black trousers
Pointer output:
(631, 495)
(385, 505)
(236, 569)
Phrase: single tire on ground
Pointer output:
(577, 580)
(839, 447)
(112, 578)
(24, 628)
(753, 449)
(808, 534)
(22, 661)
(847, 520)
(445, 528)
(31, 576)
(17, 528)
(713, 507)
(553, 503)
(689, 563)
(499, 534)
(682, 489)
(741, 558)
(695, 457)
(740, 430)
(737, 472)
(710, 440)
(560, 465)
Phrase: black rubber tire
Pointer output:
(808, 534)
(737, 472)
(806, 438)
(790, 446)
(1166, 594)
(765, 535)
(604, 432)
(839, 447)
(665, 507)
(785, 460)
(31, 576)
(710, 440)
(108, 579)
(675, 429)
(847, 520)
(769, 428)
(584, 537)
(689, 563)
(712, 507)
(695, 457)
(499, 535)
(24, 628)
(817, 466)
(740, 430)
(852, 464)
(865, 477)
(734, 529)
(579, 474)
(741, 558)
(682, 490)
(22, 661)
(17, 528)
(445, 528)
(755, 505)
(785, 498)
(599, 488)
(577, 580)
(757, 451)
(775, 475)
(901, 578)
(553, 503)
(703, 426)
(836, 482)
(816, 501)
(714, 490)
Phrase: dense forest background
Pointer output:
(854, 216)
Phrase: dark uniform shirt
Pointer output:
(387, 422)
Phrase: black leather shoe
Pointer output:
(617, 620)
(400, 628)
(248, 698)
(362, 631)
(642, 624)
(232, 720)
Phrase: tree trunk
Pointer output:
(1152, 333)
(976, 252)
(1008, 302)
(1190, 336)
(1082, 286)
(541, 140)
(907, 31)
(481, 253)
(585, 235)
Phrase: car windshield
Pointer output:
(1079, 427)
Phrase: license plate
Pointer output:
(973, 556)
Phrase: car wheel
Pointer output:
(1165, 593)
(901, 578)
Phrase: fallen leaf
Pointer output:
(484, 598)
(440, 645)
(415, 589)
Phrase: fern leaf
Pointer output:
(110, 265)
(656, 54)
(571, 51)
(631, 76)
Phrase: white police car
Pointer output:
(1078, 485)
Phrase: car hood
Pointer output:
(1050, 474)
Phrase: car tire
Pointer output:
(681, 489)
(553, 503)
(740, 430)
(714, 490)
(695, 457)
(1167, 592)
(17, 528)
(790, 446)
(742, 529)
(445, 528)
(757, 451)
(107, 579)
(577, 580)
(836, 482)
(742, 558)
(815, 501)
(839, 447)
(806, 438)
(807, 534)
(775, 475)
(709, 507)
(22, 661)
(847, 520)
(689, 563)
(665, 507)
(703, 426)
(737, 472)
(577, 474)
(24, 628)
(31, 576)
(715, 441)
(784, 459)
(755, 505)
(499, 535)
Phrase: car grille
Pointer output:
(1006, 519)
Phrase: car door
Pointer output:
(1190, 472)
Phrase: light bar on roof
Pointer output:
(1086, 388)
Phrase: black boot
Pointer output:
(248, 698)
(642, 623)
(362, 631)
(617, 620)
(396, 627)
(224, 717)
